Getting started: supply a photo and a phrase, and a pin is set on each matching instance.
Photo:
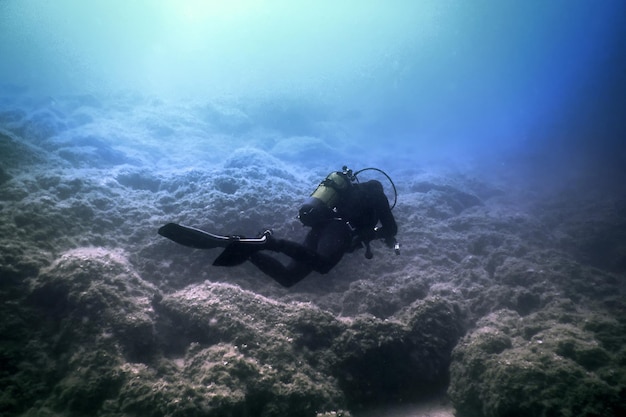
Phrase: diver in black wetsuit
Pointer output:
(343, 215)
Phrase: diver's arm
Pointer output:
(389, 228)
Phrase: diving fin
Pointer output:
(199, 239)
(192, 237)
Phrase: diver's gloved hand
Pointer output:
(390, 241)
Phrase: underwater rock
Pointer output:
(139, 180)
(255, 164)
(367, 297)
(243, 354)
(601, 242)
(90, 151)
(4, 176)
(543, 364)
(15, 154)
(445, 201)
(82, 335)
(384, 297)
(82, 318)
(311, 151)
(95, 290)
(400, 359)
(303, 357)
(41, 124)
(591, 225)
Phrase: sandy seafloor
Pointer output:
(531, 267)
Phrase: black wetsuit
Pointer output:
(362, 208)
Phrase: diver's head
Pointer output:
(314, 211)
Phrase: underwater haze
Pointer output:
(496, 127)
(412, 77)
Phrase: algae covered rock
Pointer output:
(398, 359)
(541, 365)
(248, 353)
(106, 343)
(294, 358)
(84, 316)
(96, 291)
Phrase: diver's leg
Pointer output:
(322, 249)
(286, 276)
(302, 258)
(334, 241)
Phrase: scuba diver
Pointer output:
(343, 214)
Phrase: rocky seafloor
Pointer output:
(507, 298)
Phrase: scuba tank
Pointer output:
(331, 189)
(320, 205)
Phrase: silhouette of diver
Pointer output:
(343, 214)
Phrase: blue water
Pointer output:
(117, 116)
(537, 80)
